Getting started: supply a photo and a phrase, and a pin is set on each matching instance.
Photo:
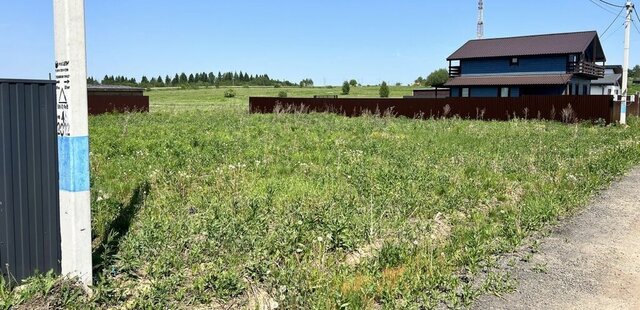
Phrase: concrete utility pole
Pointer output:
(625, 63)
(73, 139)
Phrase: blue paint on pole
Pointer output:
(73, 160)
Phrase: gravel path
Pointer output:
(592, 261)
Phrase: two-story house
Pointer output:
(551, 64)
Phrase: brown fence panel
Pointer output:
(633, 107)
(567, 108)
(119, 104)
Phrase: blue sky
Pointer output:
(328, 41)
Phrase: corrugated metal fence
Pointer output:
(561, 108)
(100, 104)
(29, 204)
(633, 107)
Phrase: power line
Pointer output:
(612, 33)
(636, 26)
(612, 22)
(611, 4)
(602, 7)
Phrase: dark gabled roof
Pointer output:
(510, 80)
(546, 44)
(616, 68)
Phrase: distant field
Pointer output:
(199, 204)
(207, 98)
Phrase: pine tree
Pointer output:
(183, 78)
(167, 81)
(175, 81)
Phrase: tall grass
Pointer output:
(217, 207)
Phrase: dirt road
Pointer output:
(590, 261)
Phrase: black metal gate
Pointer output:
(29, 197)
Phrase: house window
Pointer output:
(514, 61)
(585, 89)
(504, 92)
(465, 92)
(573, 58)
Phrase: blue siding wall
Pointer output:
(455, 92)
(526, 64)
(515, 91)
(484, 92)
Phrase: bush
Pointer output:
(384, 90)
(229, 93)
(346, 88)
(282, 94)
(277, 85)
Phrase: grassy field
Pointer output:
(213, 98)
(199, 204)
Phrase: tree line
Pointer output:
(199, 79)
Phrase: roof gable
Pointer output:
(548, 44)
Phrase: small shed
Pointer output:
(432, 92)
(116, 99)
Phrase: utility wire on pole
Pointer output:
(612, 22)
(636, 26)
(637, 20)
(613, 5)
(602, 7)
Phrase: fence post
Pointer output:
(73, 139)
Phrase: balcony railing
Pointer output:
(454, 71)
(586, 68)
